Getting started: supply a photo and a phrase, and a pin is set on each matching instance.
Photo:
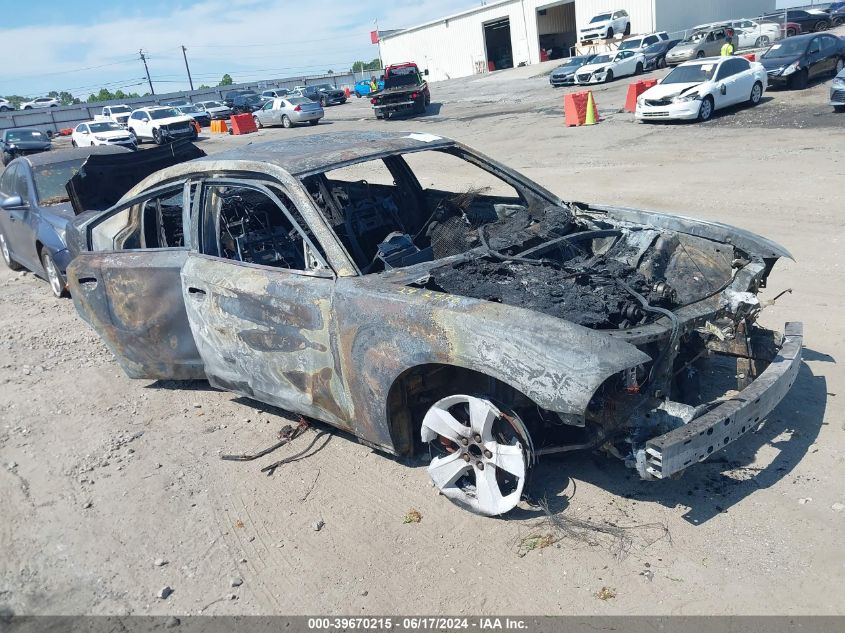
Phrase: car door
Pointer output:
(829, 53)
(259, 301)
(815, 58)
(623, 64)
(21, 229)
(265, 114)
(734, 81)
(128, 285)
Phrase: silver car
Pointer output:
(287, 111)
(837, 92)
(216, 110)
(703, 43)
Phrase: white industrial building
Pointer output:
(505, 33)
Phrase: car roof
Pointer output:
(61, 155)
(303, 155)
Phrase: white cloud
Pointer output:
(302, 37)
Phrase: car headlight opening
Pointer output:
(694, 96)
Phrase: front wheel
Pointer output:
(822, 25)
(661, 63)
(7, 158)
(609, 77)
(705, 112)
(157, 138)
(700, 55)
(840, 64)
(286, 122)
(762, 41)
(756, 94)
(11, 264)
(839, 108)
(57, 281)
(791, 32)
(639, 70)
(610, 33)
(73, 143)
(481, 453)
(628, 29)
(258, 123)
(324, 102)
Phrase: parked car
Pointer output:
(299, 283)
(95, 133)
(196, 113)
(23, 141)
(638, 43)
(837, 92)
(6, 105)
(655, 55)
(176, 103)
(161, 124)
(810, 20)
(288, 111)
(753, 34)
(246, 103)
(324, 94)
(117, 113)
(229, 97)
(41, 102)
(695, 90)
(610, 66)
(564, 75)
(796, 60)
(706, 42)
(605, 25)
(35, 210)
(269, 95)
(363, 87)
(837, 14)
(216, 110)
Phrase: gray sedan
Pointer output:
(287, 111)
(837, 92)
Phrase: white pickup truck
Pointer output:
(117, 113)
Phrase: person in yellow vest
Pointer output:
(728, 47)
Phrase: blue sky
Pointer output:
(83, 45)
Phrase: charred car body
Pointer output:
(349, 279)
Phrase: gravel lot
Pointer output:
(112, 489)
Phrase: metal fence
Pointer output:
(55, 119)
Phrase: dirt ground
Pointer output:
(100, 475)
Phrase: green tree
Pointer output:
(15, 101)
(226, 81)
(204, 87)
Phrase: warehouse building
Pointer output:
(505, 33)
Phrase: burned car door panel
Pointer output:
(412, 291)
(128, 285)
(260, 304)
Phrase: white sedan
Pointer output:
(609, 66)
(696, 89)
(94, 133)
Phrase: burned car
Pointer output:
(421, 296)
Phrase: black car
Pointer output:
(196, 113)
(326, 94)
(793, 62)
(246, 103)
(240, 94)
(23, 141)
(564, 75)
(809, 21)
(655, 55)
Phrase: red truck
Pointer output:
(404, 90)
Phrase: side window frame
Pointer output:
(206, 227)
(139, 201)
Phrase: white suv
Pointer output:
(605, 25)
(638, 43)
(41, 102)
(161, 124)
(5, 105)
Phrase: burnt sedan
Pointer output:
(411, 291)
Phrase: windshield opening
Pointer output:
(604, 17)
(786, 48)
(165, 113)
(190, 108)
(50, 180)
(600, 59)
(106, 126)
(654, 48)
(694, 73)
(120, 109)
(213, 104)
(696, 37)
(407, 76)
(22, 136)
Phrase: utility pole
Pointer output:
(188, 68)
(144, 59)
